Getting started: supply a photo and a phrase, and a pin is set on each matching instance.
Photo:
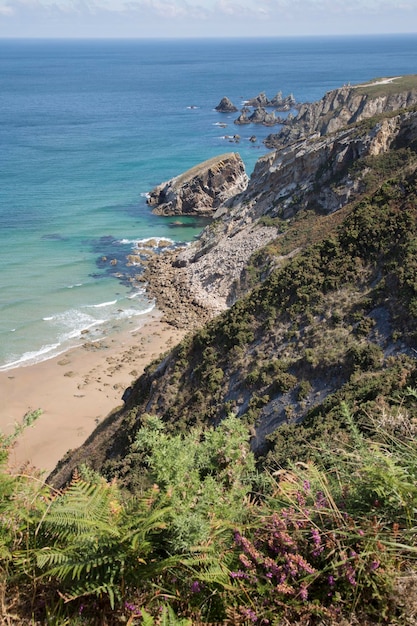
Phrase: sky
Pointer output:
(203, 18)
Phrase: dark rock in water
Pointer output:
(226, 106)
(261, 100)
(283, 104)
(203, 188)
(242, 119)
(278, 102)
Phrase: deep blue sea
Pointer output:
(87, 128)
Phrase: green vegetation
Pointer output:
(212, 541)
(388, 86)
(264, 472)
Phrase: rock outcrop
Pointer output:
(312, 173)
(345, 106)
(202, 189)
(323, 171)
(226, 106)
(277, 102)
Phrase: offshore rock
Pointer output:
(226, 106)
(202, 189)
(278, 102)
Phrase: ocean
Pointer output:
(87, 128)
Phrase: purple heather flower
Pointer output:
(331, 581)
(250, 615)
(318, 548)
(300, 498)
(306, 485)
(238, 538)
(374, 565)
(350, 575)
(303, 592)
(239, 574)
(195, 587)
(321, 501)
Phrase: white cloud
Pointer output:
(6, 10)
(228, 7)
(135, 18)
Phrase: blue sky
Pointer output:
(204, 18)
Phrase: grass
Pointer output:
(379, 87)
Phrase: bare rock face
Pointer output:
(344, 106)
(202, 189)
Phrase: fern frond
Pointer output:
(83, 509)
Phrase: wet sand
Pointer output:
(76, 391)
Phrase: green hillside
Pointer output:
(262, 472)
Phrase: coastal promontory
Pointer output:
(201, 189)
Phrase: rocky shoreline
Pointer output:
(194, 285)
(169, 287)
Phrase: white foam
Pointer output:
(29, 358)
(101, 305)
(136, 243)
(71, 325)
(140, 292)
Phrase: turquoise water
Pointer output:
(88, 127)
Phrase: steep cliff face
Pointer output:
(347, 105)
(322, 174)
(201, 189)
(329, 322)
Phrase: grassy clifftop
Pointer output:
(388, 86)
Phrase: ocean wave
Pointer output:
(35, 356)
(139, 292)
(74, 326)
(137, 243)
(128, 313)
(101, 305)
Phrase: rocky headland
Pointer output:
(322, 171)
(278, 326)
(345, 106)
(201, 189)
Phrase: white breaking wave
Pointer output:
(102, 304)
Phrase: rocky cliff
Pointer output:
(310, 275)
(345, 106)
(202, 189)
(316, 173)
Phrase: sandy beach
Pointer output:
(76, 390)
